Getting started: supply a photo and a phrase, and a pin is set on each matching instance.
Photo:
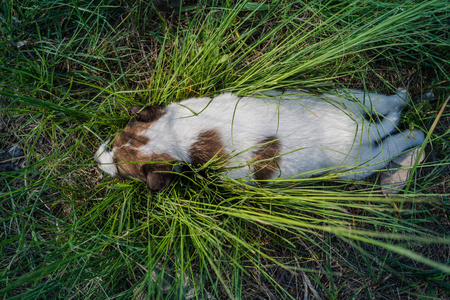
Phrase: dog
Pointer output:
(275, 134)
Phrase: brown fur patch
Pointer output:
(267, 159)
(158, 176)
(133, 139)
(147, 114)
(130, 162)
(208, 144)
(131, 133)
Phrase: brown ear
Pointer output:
(156, 176)
(148, 113)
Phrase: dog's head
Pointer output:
(125, 154)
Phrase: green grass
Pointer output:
(69, 72)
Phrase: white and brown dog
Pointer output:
(277, 134)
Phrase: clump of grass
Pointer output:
(69, 73)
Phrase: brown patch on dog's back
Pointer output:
(267, 159)
(208, 144)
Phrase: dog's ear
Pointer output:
(157, 176)
(147, 113)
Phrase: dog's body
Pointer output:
(277, 134)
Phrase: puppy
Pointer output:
(262, 137)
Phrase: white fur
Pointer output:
(317, 133)
(104, 159)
